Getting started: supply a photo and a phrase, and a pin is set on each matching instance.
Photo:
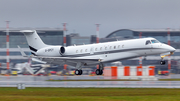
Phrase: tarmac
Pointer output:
(40, 81)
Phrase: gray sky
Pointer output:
(82, 15)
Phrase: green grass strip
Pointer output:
(169, 79)
(89, 94)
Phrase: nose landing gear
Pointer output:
(162, 62)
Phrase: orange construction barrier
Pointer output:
(126, 71)
(151, 70)
(139, 70)
(114, 71)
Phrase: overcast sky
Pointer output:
(82, 15)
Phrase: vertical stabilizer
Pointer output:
(34, 41)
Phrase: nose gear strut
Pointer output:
(162, 62)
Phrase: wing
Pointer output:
(68, 60)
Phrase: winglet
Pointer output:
(22, 52)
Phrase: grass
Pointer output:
(169, 79)
(89, 94)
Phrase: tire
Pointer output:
(80, 72)
(162, 62)
(97, 71)
(77, 72)
(101, 72)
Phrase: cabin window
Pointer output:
(81, 50)
(114, 47)
(148, 42)
(101, 48)
(118, 46)
(96, 49)
(122, 46)
(76, 51)
(86, 50)
(105, 48)
(110, 47)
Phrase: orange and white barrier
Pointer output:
(129, 71)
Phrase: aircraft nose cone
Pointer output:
(171, 49)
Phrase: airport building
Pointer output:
(76, 39)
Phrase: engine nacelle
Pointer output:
(62, 50)
(51, 51)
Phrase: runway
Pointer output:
(98, 84)
(34, 81)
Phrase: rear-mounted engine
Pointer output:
(62, 50)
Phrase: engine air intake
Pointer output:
(62, 50)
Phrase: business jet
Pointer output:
(94, 54)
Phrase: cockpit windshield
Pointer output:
(154, 41)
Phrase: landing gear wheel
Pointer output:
(99, 72)
(162, 62)
(78, 72)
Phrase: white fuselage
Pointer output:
(94, 54)
(109, 51)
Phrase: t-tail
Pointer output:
(34, 41)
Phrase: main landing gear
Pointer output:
(100, 70)
(162, 62)
(78, 72)
(78, 67)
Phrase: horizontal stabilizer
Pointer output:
(27, 31)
